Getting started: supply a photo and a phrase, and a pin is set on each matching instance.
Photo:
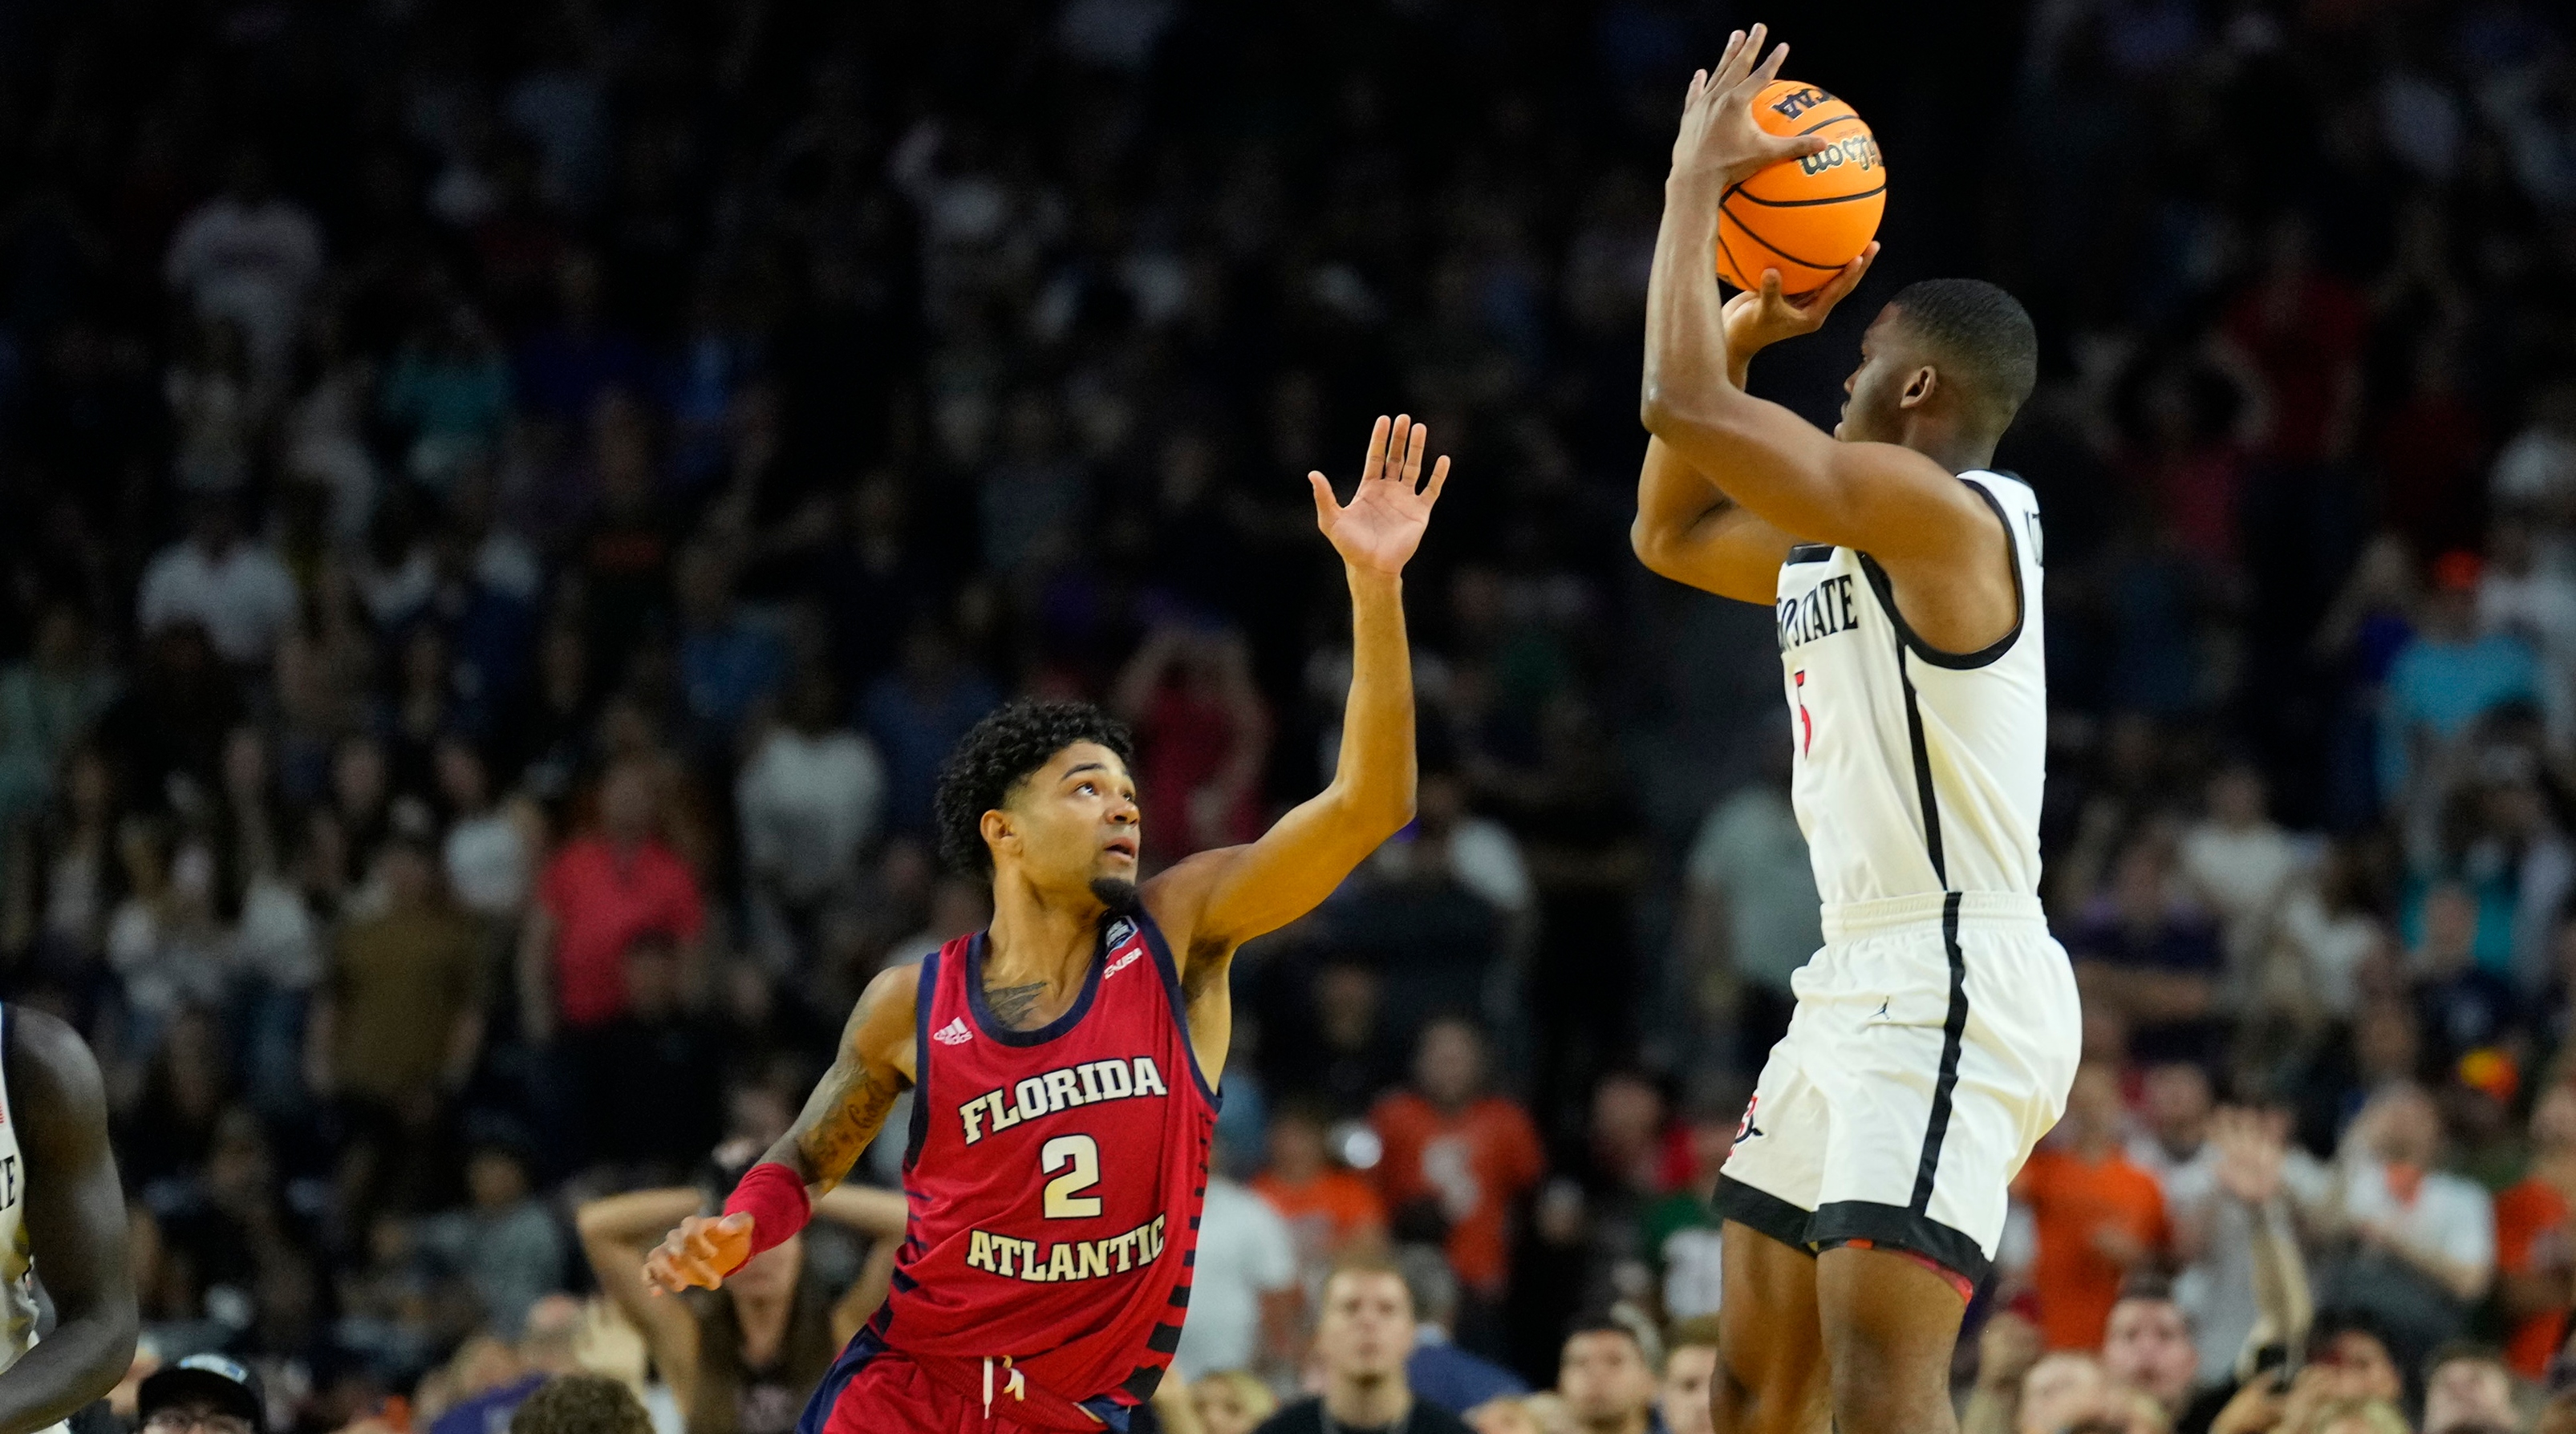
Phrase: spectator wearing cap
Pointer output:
(202, 1394)
(2448, 675)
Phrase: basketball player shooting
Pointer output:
(1937, 1030)
(1064, 1061)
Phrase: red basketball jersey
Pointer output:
(1054, 1180)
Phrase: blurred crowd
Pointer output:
(513, 503)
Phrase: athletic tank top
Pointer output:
(1917, 771)
(1054, 1180)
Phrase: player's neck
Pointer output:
(1943, 442)
(1039, 936)
(1366, 1401)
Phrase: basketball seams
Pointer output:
(1784, 262)
(1752, 198)
(1766, 242)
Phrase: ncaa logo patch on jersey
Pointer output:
(1119, 931)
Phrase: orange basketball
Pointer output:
(1807, 217)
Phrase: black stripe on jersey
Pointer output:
(917, 1129)
(1810, 553)
(1953, 1031)
(1987, 655)
(1164, 1339)
(1142, 1381)
(1180, 1299)
(903, 1284)
(1923, 793)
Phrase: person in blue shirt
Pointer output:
(1440, 1372)
(2448, 675)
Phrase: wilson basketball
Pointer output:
(1806, 217)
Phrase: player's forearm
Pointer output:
(75, 1364)
(840, 1118)
(636, 1218)
(1375, 776)
(1687, 367)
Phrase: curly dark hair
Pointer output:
(581, 1404)
(1012, 741)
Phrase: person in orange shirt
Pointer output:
(1464, 1153)
(2099, 1216)
(1328, 1209)
(2535, 1248)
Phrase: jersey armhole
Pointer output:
(1170, 972)
(1992, 652)
(925, 997)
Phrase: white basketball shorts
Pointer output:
(1933, 1044)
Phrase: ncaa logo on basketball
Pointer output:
(1798, 102)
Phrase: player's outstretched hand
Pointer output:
(699, 1254)
(1380, 527)
(1719, 139)
(1757, 319)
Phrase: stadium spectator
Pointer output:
(1361, 1338)
(1461, 1153)
(2098, 1216)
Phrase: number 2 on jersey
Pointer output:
(1063, 1198)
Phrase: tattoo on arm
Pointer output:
(840, 1118)
(1012, 1005)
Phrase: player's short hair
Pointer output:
(1014, 740)
(581, 1404)
(1979, 334)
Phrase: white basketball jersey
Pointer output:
(1918, 771)
(17, 1263)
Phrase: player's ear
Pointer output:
(998, 832)
(1919, 389)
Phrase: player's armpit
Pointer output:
(876, 1062)
(1689, 531)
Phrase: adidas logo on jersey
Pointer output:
(955, 1033)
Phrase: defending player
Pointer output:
(1064, 1060)
(60, 1204)
(1937, 1030)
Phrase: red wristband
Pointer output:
(774, 1197)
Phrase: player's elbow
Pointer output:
(1652, 545)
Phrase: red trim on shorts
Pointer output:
(1966, 1287)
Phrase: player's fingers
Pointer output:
(1416, 439)
(1747, 54)
(1326, 509)
(1439, 480)
(1770, 287)
(1769, 69)
(1376, 450)
(1397, 436)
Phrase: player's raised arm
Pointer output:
(875, 1064)
(75, 1218)
(1217, 900)
(1890, 501)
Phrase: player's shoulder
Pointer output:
(47, 1062)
